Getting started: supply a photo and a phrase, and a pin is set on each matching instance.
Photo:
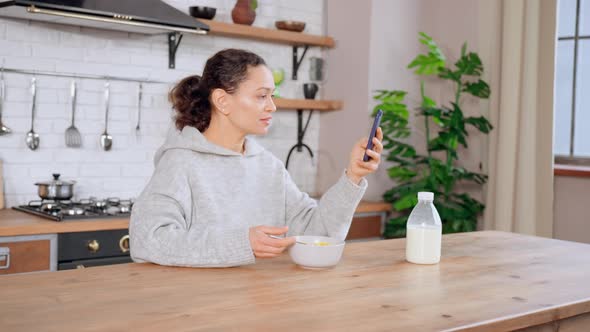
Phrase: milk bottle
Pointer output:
(424, 232)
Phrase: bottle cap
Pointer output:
(425, 196)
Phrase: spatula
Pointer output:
(73, 137)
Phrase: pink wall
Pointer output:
(374, 44)
(571, 219)
(347, 79)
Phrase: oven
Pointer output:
(86, 249)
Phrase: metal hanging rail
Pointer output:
(80, 76)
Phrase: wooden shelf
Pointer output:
(268, 35)
(307, 104)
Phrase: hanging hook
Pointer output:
(297, 146)
(300, 134)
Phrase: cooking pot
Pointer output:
(56, 189)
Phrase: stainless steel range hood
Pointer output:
(139, 16)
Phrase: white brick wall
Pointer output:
(124, 170)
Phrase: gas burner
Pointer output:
(88, 208)
(73, 211)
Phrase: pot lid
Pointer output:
(56, 181)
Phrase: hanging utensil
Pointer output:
(3, 129)
(73, 137)
(106, 141)
(32, 137)
(1, 187)
(139, 93)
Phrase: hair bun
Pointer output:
(225, 70)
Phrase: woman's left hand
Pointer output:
(357, 168)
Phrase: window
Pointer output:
(572, 75)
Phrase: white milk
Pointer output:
(423, 244)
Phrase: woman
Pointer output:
(216, 195)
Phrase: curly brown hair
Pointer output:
(224, 70)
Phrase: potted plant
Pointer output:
(437, 170)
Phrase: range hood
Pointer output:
(139, 16)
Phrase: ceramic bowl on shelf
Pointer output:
(202, 12)
(316, 252)
(290, 25)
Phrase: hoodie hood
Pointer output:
(192, 139)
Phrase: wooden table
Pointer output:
(486, 281)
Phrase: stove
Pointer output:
(91, 208)
(77, 250)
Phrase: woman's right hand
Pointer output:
(264, 246)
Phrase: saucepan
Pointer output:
(56, 189)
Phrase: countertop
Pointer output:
(14, 223)
(486, 281)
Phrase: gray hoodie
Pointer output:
(202, 199)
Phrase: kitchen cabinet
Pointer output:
(24, 254)
(367, 226)
(369, 220)
(486, 281)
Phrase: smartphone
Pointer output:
(376, 123)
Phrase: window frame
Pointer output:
(571, 159)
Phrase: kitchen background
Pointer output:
(356, 67)
(124, 171)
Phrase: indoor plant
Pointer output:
(437, 170)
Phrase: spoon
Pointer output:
(280, 238)
(106, 141)
(3, 129)
(32, 137)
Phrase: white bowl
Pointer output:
(313, 254)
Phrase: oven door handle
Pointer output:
(5, 256)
